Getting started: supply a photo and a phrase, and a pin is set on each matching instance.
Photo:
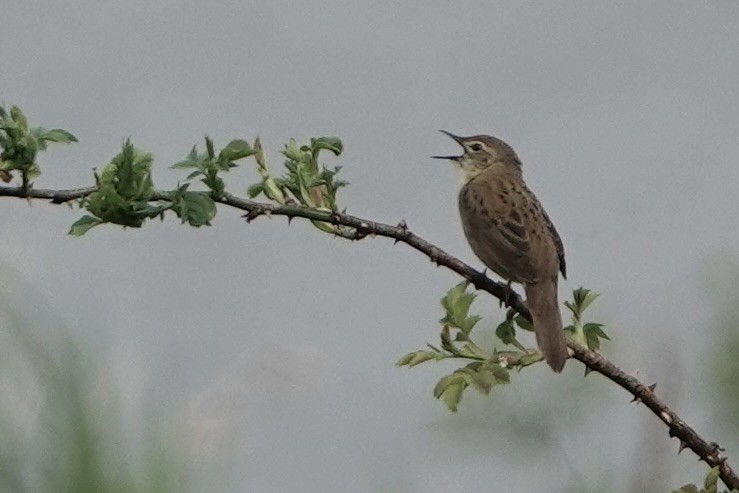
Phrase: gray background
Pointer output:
(268, 350)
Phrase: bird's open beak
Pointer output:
(457, 139)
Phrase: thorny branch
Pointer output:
(709, 452)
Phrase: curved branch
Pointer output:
(709, 452)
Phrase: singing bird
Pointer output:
(510, 232)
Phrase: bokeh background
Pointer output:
(260, 357)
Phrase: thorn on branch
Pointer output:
(682, 447)
(403, 227)
(652, 387)
(434, 256)
(252, 214)
(716, 448)
(587, 370)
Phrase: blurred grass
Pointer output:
(61, 427)
(722, 354)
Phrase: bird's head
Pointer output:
(480, 152)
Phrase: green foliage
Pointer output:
(126, 195)
(20, 144)
(587, 334)
(194, 208)
(480, 375)
(208, 165)
(491, 367)
(306, 181)
(124, 192)
(710, 485)
(456, 306)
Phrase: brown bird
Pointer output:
(511, 233)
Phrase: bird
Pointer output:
(511, 233)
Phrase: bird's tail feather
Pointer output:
(541, 298)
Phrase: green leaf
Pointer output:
(480, 378)
(216, 184)
(84, 224)
(529, 359)
(593, 333)
(332, 144)
(259, 155)
(449, 390)
(236, 149)
(255, 190)
(582, 299)
(524, 323)
(292, 151)
(421, 357)
(193, 160)
(210, 147)
(502, 375)
(33, 172)
(446, 340)
(711, 482)
(405, 359)
(195, 208)
(57, 135)
(273, 191)
(506, 332)
(469, 323)
(586, 298)
(18, 117)
(456, 304)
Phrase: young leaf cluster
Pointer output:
(306, 181)
(588, 334)
(123, 194)
(20, 145)
(125, 190)
(208, 165)
(710, 484)
(487, 368)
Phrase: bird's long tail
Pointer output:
(541, 298)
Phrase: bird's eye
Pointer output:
(476, 147)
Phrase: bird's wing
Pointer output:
(498, 228)
(557, 243)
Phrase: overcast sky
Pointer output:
(273, 346)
